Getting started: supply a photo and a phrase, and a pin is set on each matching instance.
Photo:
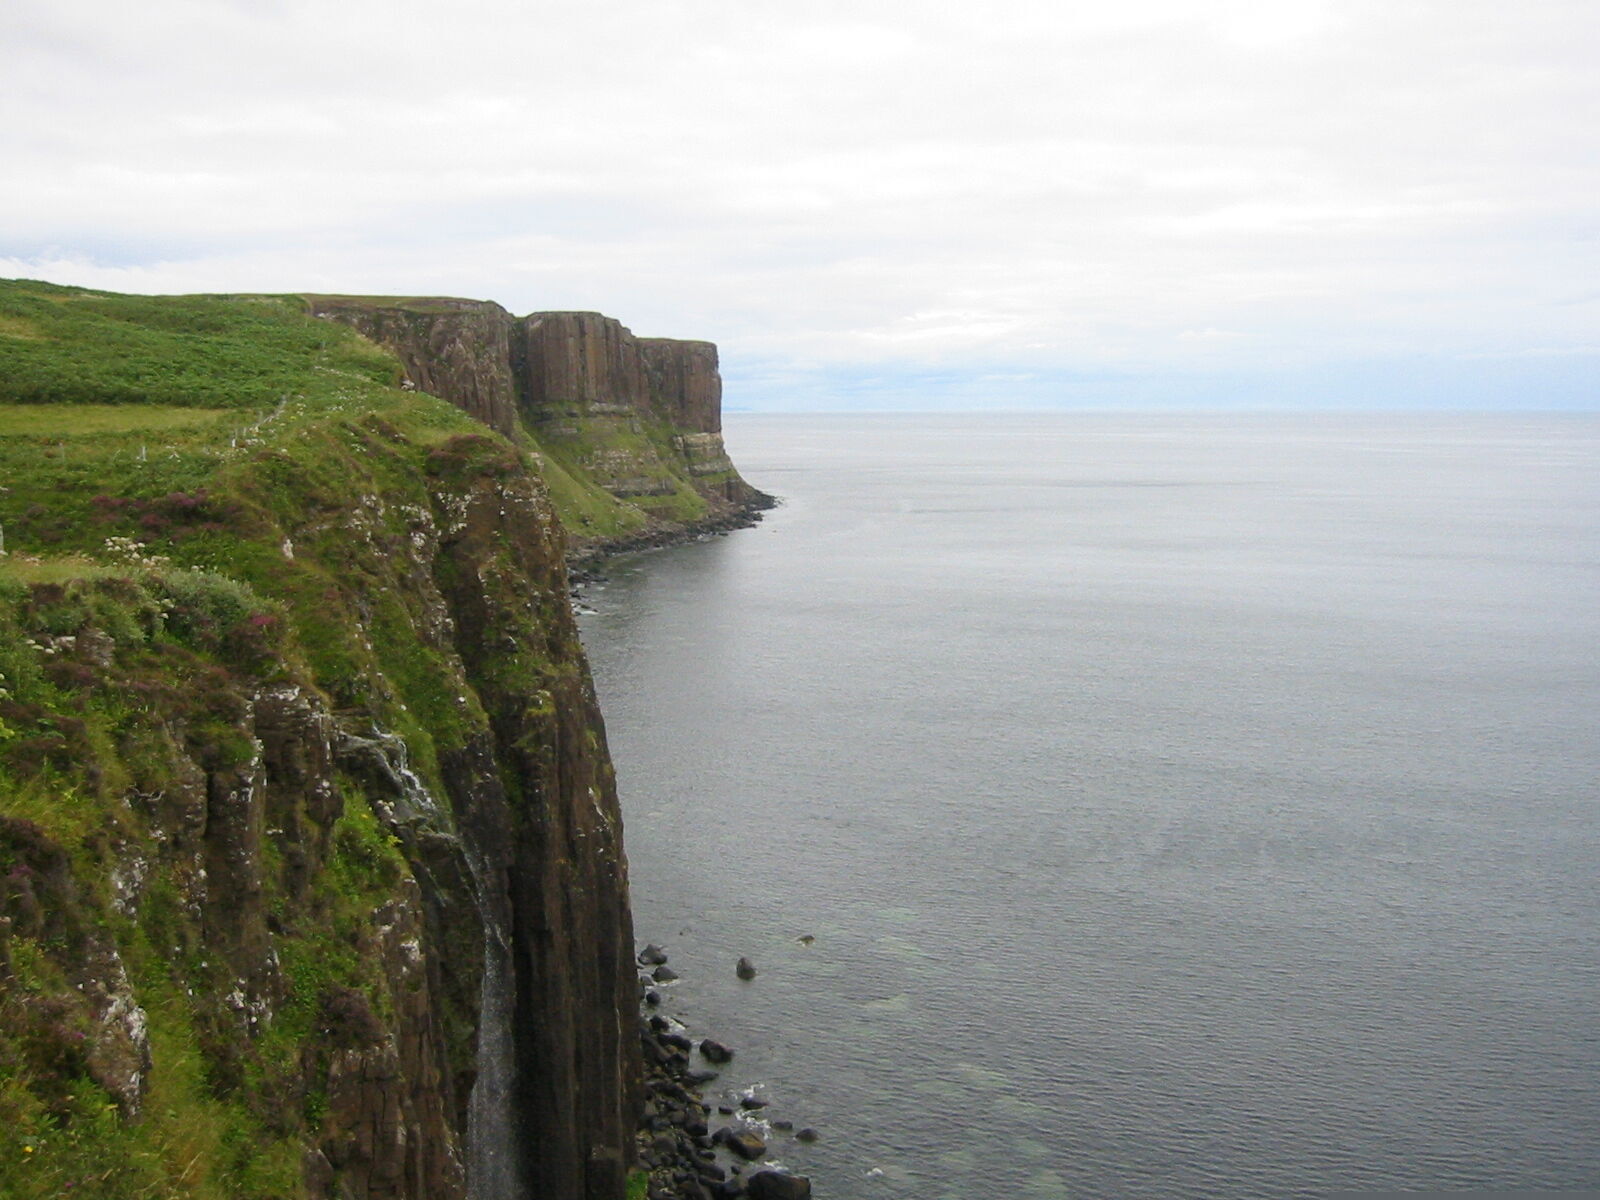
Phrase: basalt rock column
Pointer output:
(573, 363)
(537, 798)
(686, 385)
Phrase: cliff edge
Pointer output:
(312, 880)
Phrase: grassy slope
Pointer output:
(152, 453)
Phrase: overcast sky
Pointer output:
(1185, 202)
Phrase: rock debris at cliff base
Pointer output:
(680, 1133)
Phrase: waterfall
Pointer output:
(494, 1156)
(494, 1166)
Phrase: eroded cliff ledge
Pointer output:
(311, 871)
(638, 418)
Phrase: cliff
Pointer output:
(311, 870)
(631, 427)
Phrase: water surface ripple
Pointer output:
(1182, 806)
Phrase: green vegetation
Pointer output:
(621, 452)
(586, 509)
(85, 420)
(415, 304)
(204, 500)
(70, 345)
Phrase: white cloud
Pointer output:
(1024, 187)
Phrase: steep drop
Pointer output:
(311, 868)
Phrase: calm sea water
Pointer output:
(1181, 806)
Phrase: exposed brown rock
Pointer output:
(552, 850)
(578, 377)
(456, 349)
(232, 808)
(580, 363)
(685, 384)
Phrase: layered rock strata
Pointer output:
(641, 417)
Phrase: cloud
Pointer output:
(932, 188)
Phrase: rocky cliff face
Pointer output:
(639, 418)
(685, 384)
(456, 349)
(577, 363)
(353, 937)
(311, 868)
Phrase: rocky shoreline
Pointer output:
(584, 559)
(693, 1149)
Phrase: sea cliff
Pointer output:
(630, 429)
(312, 880)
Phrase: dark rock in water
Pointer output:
(652, 998)
(746, 969)
(807, 1134)
(697, 1078)
(663, 974)
(652, 956)
(660, 1024)
(743, 1142)
(752, 1102)
(783, 1126)
(653, 1052)
(806, 939)
(774, 1185)
(725, 1109)
(731, 1189)
(714, 1051)
(677, 1041)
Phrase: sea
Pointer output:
(1145, 805)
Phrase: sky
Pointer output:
(1211, 203)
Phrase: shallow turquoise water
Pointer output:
(1181, 805)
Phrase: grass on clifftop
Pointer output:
(74, 346)
(153, 454)
(119, 410)
(110, 468)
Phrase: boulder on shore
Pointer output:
(714, 1051)
(743, 1142)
